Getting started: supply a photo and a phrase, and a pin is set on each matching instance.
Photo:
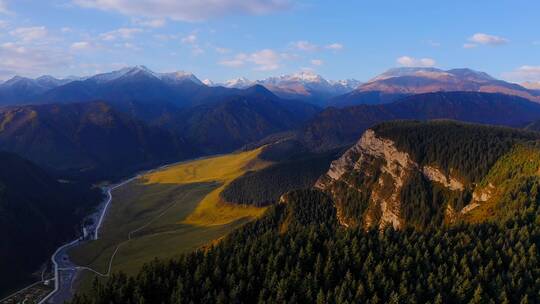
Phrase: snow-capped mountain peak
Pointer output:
(238, 83)
(306, 77)
(208, 82)
(173, 77)
(178, 77)
(127, 71)
(349, 84)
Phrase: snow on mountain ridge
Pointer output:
(172, 77)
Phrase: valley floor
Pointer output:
(165, 213)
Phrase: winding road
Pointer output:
(65, 271)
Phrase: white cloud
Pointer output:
(81, 45)
(190, 39)
(197, 50)
(317, 62)
(28, 34)
(263, 60)
(266, 60)
(524, 73)
(187, 10)
(153, 23)
(238, 61)
(3, 8)
(306, 46)
(470, 45)
(222, 50)
(166, 37)
(121, 33)
(481, 38)
(30, 61)
(415, 62)
(335, 46)
(129, 46)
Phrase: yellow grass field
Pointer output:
(223, 169)
(168, 212)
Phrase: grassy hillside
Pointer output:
(168, 212)
(512, 185)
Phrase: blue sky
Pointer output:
(223, 39)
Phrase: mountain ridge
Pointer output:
(400, 82)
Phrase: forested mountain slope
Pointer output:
(298, 253)
(425, 174)
(234, 121)
(88, 140)
(312, 248)
(337, 127)
(37, 213)
(103, 140)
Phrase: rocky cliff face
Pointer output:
(367, 182)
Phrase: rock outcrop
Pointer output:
(366, 183)
(372, 156)
(435, 175)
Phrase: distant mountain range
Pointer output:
(306, 85)
(531, 85)
(400, 82)
(110, 124)
(99, 140)
(132, 84)
(140, 84)
(335, 127)
(183, 89)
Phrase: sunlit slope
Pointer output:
(511, 185)
(171, 211)
(223, 169)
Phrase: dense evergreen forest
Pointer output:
(298, 253)
(265, 186)
(470, 149)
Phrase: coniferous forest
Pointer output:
(298, 253)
